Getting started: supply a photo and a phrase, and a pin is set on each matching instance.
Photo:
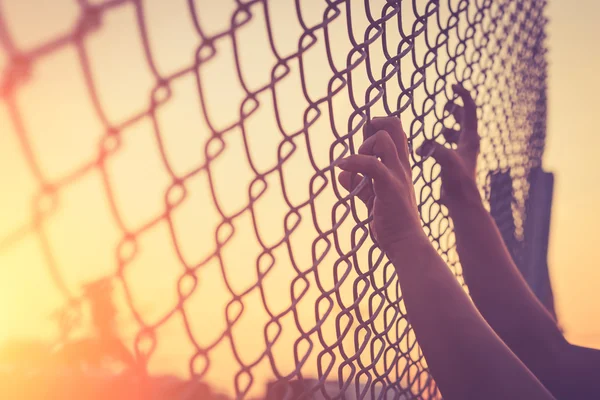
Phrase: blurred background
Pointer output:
(570, 154)
(83, 234)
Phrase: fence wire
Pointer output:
(337, 313)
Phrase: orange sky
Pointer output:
(64, 133)
(572, 142)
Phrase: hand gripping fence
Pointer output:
(261, 276)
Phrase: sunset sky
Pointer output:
(65, 134)
(571, 154)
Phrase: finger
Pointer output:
(447, 158)
(470, 108)
(351, 181)
(451, 135)
(381, 145)
(365, 165)
(393, 126)
(455, 110)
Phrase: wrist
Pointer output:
(410, 249)
(467, 200)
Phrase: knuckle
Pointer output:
(389, 122)
(384, 138)
(366, 146)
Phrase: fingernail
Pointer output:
(426, 149)
(341, 163)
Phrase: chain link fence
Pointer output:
(182, 151)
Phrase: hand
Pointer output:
(459, 167)
(390, 197)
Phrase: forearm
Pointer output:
(580, 373)
(467, 358)
(502, 295)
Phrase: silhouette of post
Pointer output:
(531, 253)
(537, 235)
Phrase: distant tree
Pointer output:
(104, 347)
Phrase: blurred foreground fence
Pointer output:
(178, 154)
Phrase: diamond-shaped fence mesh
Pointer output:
(181, 153)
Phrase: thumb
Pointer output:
(449, 160)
